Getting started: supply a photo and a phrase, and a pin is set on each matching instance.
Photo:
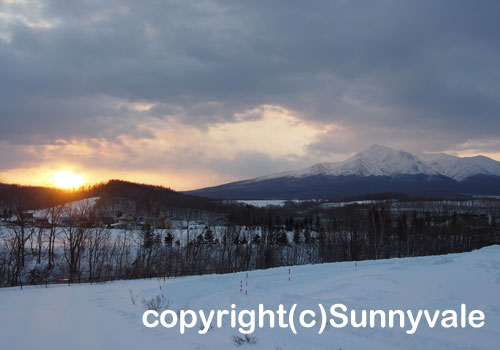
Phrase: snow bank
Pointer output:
(103, 316)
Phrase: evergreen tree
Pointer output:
(244, 240)
(147, 237)
(297, 239)
(307, 236)
(256, 239)
(169, 239)
(282, 238)
(208, 236)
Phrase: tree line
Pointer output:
(252, 238)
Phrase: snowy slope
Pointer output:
(461, 168)
(384, 161)
(80, 205)
(102, 316)
(377, 160)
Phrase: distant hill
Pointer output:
(150, 197)
(144, 196)
(34, 197)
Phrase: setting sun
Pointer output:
(68, 179)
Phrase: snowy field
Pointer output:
(104, 317)
(263, 203)
(436, 205)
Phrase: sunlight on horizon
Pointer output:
(67, 180)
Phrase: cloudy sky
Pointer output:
(194, 93)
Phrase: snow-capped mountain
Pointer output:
(382, 161)
(375, 161)
(375, 170)
(461, 168)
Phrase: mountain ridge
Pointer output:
(409, 164)
(376, 169)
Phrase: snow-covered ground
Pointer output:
(262, 203)
(345, 204)
(70, 206)
(103, 316)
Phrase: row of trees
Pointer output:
(30, 254)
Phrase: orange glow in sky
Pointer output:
(67, 179)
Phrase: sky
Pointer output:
(189, 94)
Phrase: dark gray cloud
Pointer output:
(427, 70)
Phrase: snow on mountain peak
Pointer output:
(461, 168)
(378, 160)
(382, 161)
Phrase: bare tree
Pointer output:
(74, 237)
(97, 243)
(54, 216)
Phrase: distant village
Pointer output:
(126, 221)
